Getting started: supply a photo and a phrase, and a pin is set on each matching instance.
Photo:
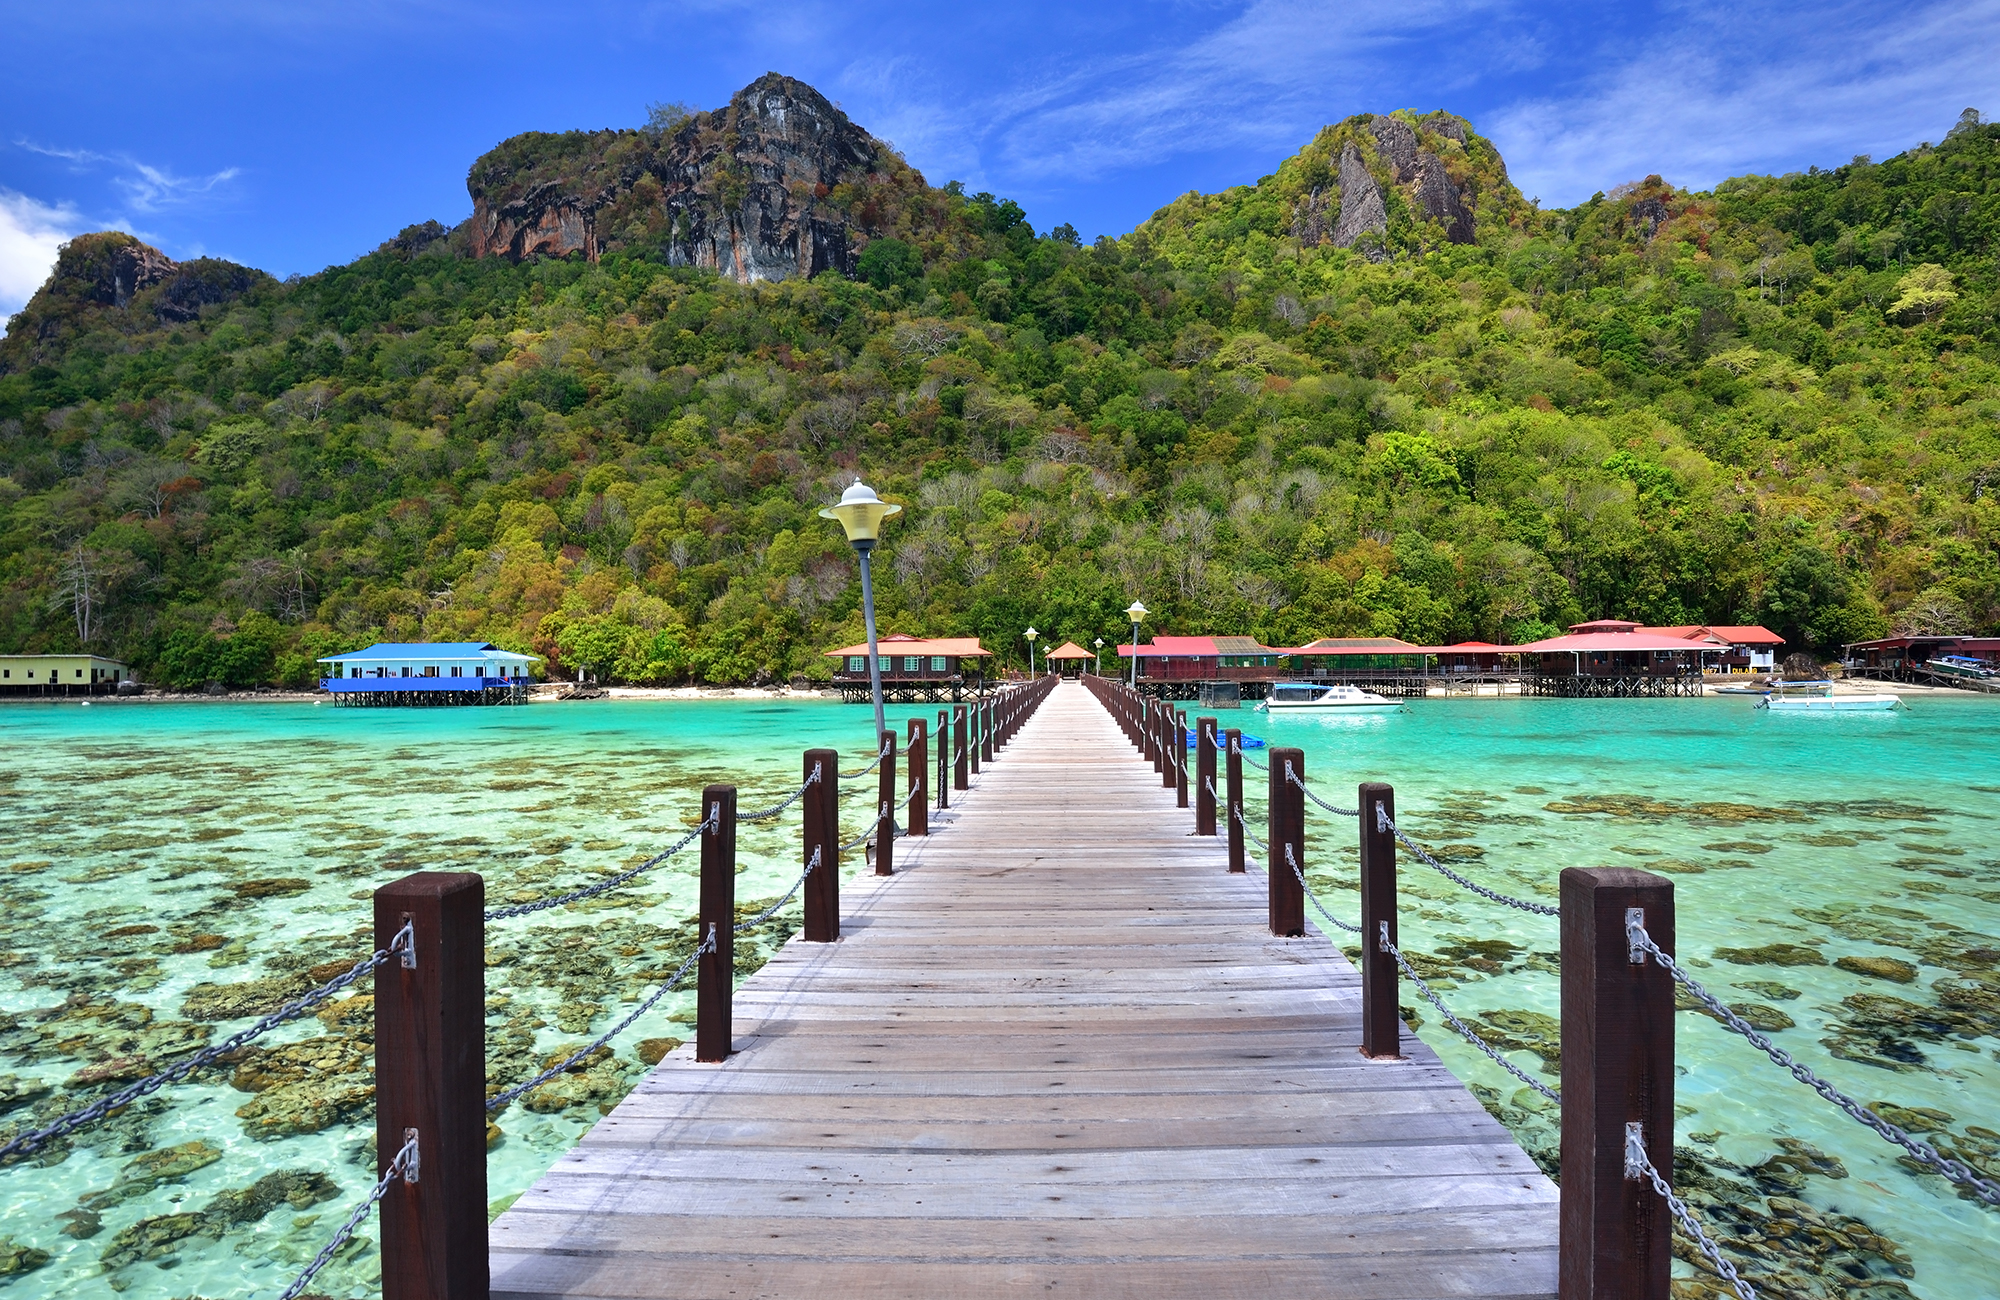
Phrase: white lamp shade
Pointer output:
(861, 512)
(1135, 611)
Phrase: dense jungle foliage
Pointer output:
(1778, 402)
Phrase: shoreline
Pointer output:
(551, 693)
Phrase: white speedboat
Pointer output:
(1784, 701)
(1316, 695)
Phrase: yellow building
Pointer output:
(60, 674)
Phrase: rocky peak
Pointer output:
(775, 184)
(1383, 169)
(110, 277)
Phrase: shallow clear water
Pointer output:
(249, 836)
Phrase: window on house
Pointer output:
(857, 663)
(937, 663)
(911, 663)
(455, 671)
(77, 673)
(406, 671)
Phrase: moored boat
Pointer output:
(1785, 697)
(1319, 695)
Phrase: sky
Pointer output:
(294, 136)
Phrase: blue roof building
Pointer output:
(429, 672)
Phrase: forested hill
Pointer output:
(1375, 393)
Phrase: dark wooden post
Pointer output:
(1285, 808)
(986, 732)
(885, 809)
(430, 1076)
(1232, 766)
(1381, 1020)
(944, 759)
(1164, 730)
(974, 715)
(1180, 760)
(920, 778)
(715, 973)
(1617, 1071)
(1204, 776)
(822, 835)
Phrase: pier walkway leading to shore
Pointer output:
(1058, 1051)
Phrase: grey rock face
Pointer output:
(1444, 124)
(1398, 143)
(1438, 199)
(1361, 210)
(743, 190)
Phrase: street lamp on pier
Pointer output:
(1097, 657)
(1032, 634)
(860, 514)
(1134, 611)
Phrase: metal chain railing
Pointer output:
(1306, 889)
(501, 1099)
(404, 942)
(1384, 823)
(1459, 1025)
(1237, 746)
(789, 800)
(1293, 777)
(1958, 1172)
(772, 910)
(1249, 834)
(403, 1167)
(881, 815)
(882, 754)
(1637, 1164)
(592, 891)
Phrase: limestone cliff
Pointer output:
(778, 183)
(1380, 181)
(110, 279)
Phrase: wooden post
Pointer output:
(1180, 759)
(944, 759)
(716, 971)
(1204, 776)
(920, 778)
(430, 1075)
(822, 834)
(986, 734)
(1617, 1071)
(1381, 1019)
(959, 780)
(1285, 808)
(885, 809)
(1232, 764)
(1164, 730)
(974, 716)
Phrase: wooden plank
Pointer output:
(1057, 1050)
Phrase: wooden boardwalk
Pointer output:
(1058, 1053)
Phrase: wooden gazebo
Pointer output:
(1068, 659)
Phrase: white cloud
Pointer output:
(1754, 88)
(31, 233)
(147, 188)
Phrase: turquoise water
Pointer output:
(152, 852)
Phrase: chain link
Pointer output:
(1459, 1025)
(1958, 1172)
(1293, 777)
(404, 941)
(1237, 748)
(790, 799)
(1383, 823)
(1249, 834)
(881, 815)
(592, 891)
(1293, 863)
(501, 1099)
(772, 910)
(849, 776)
(1637, 1161)
(405, 1161)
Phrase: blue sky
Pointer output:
(292, 136)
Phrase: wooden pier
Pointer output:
(1058, 1052)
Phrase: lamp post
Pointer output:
(1097, 657)
(1134, 611)
(861, 513)
(1032, 634)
